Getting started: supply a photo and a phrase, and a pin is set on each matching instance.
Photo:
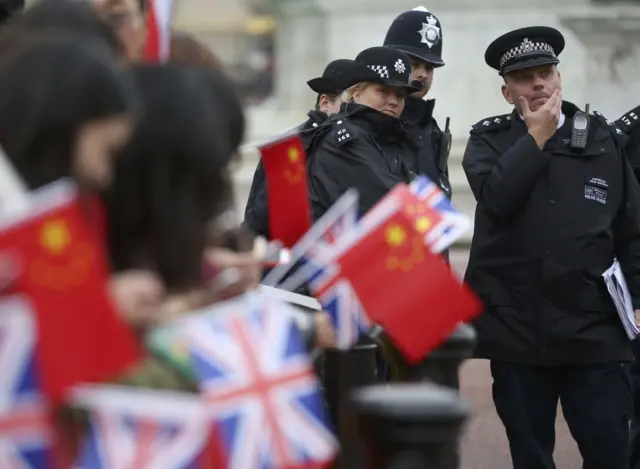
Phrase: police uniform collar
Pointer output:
(418, 111)
(374, 121)
(525, 48)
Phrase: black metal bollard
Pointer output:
(345, 370)
(442, 366)
(409, 426)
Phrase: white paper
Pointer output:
(619, 292)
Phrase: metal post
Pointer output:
(443, 364)
(409, 426)
(345, 370)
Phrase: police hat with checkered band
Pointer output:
(384, 65)
(417, 33)
(334, 79)
(525, 48)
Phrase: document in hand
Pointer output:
(617, 286)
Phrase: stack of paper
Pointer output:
(617, 286)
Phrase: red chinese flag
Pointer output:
(406, 288)
(63, 271)
(285, 167)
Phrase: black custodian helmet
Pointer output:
(417, 33)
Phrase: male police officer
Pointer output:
(551, 216)
(329, 86)
(629, 124)
(418, 33)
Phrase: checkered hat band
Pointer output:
(380, 70)
(525, 48)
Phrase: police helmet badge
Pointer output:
(430, 32)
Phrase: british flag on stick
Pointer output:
(134, 428)
(25, 430)
(259, 386)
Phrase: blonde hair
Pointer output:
(347, 95)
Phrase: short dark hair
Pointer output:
(10, 8)
(332, 97)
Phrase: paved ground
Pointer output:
(485, 444)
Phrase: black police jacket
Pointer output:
(256, 217)
(548, 223)
(360, 148)
(630, 125)
(433, 150)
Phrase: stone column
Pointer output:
(611, 37)
(300, 53)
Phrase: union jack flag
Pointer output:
(340, 302)
(25, 431)
(142, 429)
(455, 223)
(259, 386)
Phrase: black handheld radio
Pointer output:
(580, 129)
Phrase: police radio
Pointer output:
(445, 147)
(580, 129)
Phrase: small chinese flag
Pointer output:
(285, 167)
(64, 272)
(405, 287)
(157, 48)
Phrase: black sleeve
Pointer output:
(501, 183)
(256, 216)
(633, 151)
(627, 234)
(356, 164)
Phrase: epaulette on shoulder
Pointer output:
(611, 127)
(493, 123)
(629, 120)
(344, 131)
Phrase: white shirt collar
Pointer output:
(560, 121)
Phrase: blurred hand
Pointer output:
(325, 332)
(137, 294)
(237, 272)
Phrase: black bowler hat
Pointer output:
(384, 65)
(417, 33)
(334, 79)
(525, 48)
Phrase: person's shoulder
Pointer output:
(342, 132)
(610, 126)
(492, 124)
(628, 122)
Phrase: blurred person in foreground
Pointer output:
(551, 217)
(232, 248)
(61, 17)
(128, 20)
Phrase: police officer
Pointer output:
(550, 218)
(418, 33)
(328, 87)
(629, 125)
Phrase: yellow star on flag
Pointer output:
(423, 224)
(293, 154)
(55, 236)
(395, 235)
